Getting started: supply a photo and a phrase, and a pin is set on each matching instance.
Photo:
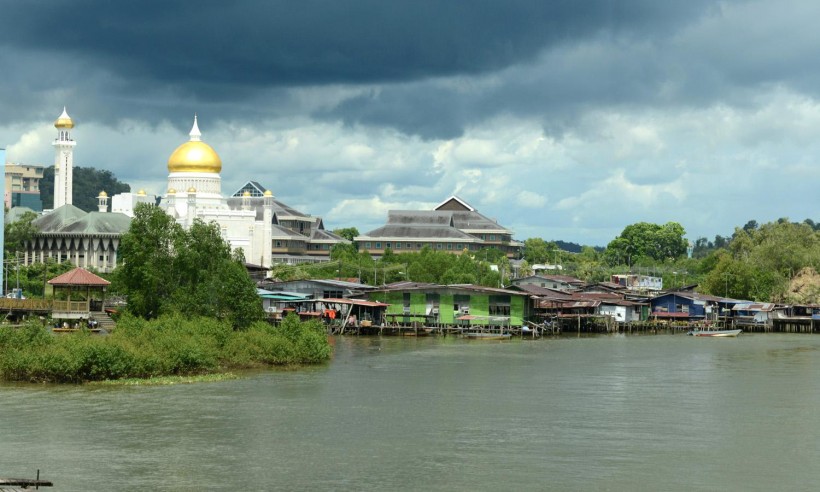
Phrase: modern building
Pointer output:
(23, 186)
(453, 226)
(296, 237)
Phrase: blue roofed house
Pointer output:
(690, 306)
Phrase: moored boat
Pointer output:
(714, 333)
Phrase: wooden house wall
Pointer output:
(480, 306)
(518, 311)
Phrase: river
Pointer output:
(620, 413)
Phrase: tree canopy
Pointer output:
(651, 241)
(169, 269)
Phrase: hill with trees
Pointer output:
(87, 185)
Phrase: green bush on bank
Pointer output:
(167, 346)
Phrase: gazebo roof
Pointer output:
(79, 276)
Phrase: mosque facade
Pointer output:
(266, 230)
(195, 192)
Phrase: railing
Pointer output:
(71, 307)
(25, 304)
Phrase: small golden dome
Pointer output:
(191, 190)
(64, 121)
(172, 191)
(141, 193)
(247, 193)
(268, 193)
(102, 194)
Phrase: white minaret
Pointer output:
(63, 160)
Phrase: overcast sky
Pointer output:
(561, 119)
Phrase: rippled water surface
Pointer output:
(665, 412)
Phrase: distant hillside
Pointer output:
(574, 247)
(87, 185)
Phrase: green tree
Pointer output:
(649, 241)
(147, 274)
(349, 233)
(193, 272)
(18, 233)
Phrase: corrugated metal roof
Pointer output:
(754, 306)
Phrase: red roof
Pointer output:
(79, 276)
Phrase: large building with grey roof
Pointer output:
(86, 239)
(453, 226)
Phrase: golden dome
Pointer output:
(64, 121)
(103, 194)
(191, 190)
(141, 193)
(172, 191)
(247, 193)
(268, 193)
(194, 156)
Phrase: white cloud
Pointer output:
(530, 199)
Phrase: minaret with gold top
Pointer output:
(63, 160)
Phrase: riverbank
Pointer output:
(166, 346)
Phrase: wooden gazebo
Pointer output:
(85, 294)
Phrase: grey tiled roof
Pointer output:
(284, 232)
(100, 223)
(55, 220)
(475, 221)
(14, 214)
(419, 217)
(69, 219)
(418, 232)
(323, 235)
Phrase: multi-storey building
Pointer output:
(453, 226)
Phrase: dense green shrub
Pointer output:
(168, 345)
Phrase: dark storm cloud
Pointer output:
(308, 42)
(171, 54)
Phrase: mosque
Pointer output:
(266, 230)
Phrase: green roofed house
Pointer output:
(453, 226)
(86, 239)
(453, 305)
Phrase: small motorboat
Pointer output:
(714, 333)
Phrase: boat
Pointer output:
(474, 335)
(714, 333)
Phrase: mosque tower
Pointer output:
(63, 160)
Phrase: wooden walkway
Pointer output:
(22, 484)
